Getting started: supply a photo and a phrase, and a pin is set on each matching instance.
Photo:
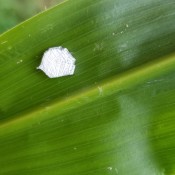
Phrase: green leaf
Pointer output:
(115, 115)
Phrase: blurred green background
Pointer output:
(12, 12)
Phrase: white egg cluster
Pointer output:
(57, 62)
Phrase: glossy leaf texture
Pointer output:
(115, 115)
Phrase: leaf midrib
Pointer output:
(129, 78)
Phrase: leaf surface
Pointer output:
(115, 115)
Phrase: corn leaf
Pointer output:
(115, 115)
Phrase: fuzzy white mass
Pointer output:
(57, 62)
